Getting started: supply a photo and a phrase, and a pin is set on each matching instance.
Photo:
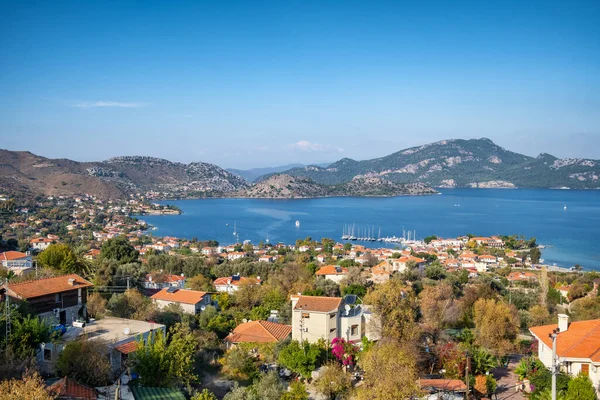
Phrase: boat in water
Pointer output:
(297, 223)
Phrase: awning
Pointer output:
(127, 348)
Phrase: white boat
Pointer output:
(234, 228)
(297, 223)
(565, 208)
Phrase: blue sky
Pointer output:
(256, 83)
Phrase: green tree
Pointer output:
(241, 393)
(580, 388)
(297, 392)
(535, 254)
(269, 387)
(205, 394)
(390, 372)
(396, 307)
(166, 362)
(435, 271)
(27, 334)
(59, 257)
(119, 249)
(334, 383)
(85, 361)
(30, 387)
(238, 364)
(429, 239)
(496, 326)
(302, 358)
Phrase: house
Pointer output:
(92, 254)
(266, 258)
(522, 276)
(487, 258)
(208, 251)
(192, 301)
(68, 389)
(16, 261)
(61, 299)
(577, 346)
(119, 335)
(230, 284)
(322, 258)
(40, 243)
(400, 264)
(447, 389)
(161, 281)
(258, 332)
(564, 290)
(332, 272)
(381, 272)
(318, 317)
(315, 317)
(236, 255)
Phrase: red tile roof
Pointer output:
(45, 286)
(318, 303)
(68, 388)
(180, 296)
(259, 332)
(164, 278)
(448, 385)
(12, 255)
(580, 340)
(127, 348)
(331, 270)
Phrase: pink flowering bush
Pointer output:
(345, 352)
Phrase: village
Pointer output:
(100, 298)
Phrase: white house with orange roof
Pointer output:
(40, 243)
(231, 284)
(400, 264)
(577, 347)
(16, 261)
(161, 281)
(191, 301)
(236, 255)
(332, 272)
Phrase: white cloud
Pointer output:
(91, 104)
(305, 145)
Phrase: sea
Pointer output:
(566, 222)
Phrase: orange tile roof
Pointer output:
(521, 276)
(331, 270)
(580, 340)
(127, 348)
(68, 388)
(165, 277)
(318, 303)
(41, 240)
(180, 296)
(259, 332)
(12, 255)
(45, 286)
(449, 385)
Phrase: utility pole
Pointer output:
(7, 312)
(553, 336)
(467, 376)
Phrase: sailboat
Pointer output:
(267, 240)
(565, 208)
(234, 228)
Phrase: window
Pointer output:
(332, 330)
(305, 315)
(354, 330)
(47, 354)
(332, 316)
(57, 298)
(585, 369)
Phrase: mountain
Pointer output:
(462, 163)
(27, 173)
(285, 186)
(254, 173)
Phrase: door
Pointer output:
(63, 317)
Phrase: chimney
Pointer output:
(71, 282)
(563, 322)
(294, 299)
